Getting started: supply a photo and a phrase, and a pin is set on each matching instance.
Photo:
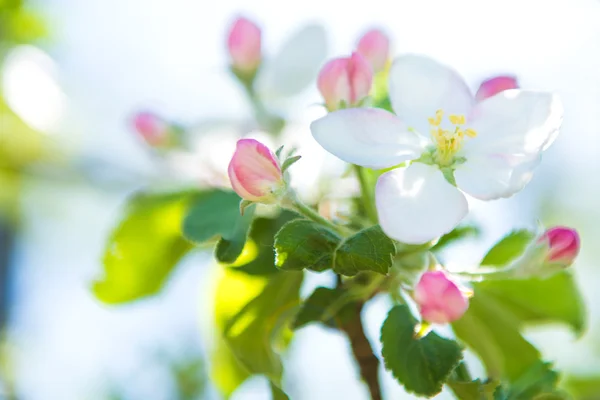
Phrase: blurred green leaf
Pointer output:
(217, 214)
(317, 306)
(368, 250)
(492, 331)
(260, 244)
(475, 390)
(251, 333)
(533, 301)
(583, 387)
(421, 365)
(508, 248)
(144, 247)
(538, 383)
(305, 244)
(458, 233)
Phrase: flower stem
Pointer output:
(367, 193)
(313, 215)
(488, 274)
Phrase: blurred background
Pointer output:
(74, 71)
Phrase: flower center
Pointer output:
(448, 141)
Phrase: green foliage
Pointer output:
(144, 248)
(261, 241)
(368, 250)
(305, 244)
(537, 383)
(475, 390)
(508, 248)
(552, 300)
(216, 213)
(329, 306)
(251, 333)
(457, 234)
(583, 387)
(421, 365)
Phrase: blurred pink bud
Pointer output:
(244, 44)
(563, 243)
(495, 85)
(255, 173)
(440, 300)
(375, 47)
(152, 128)
(345, 81)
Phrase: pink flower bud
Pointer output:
(375, 47)
(153, 129)
(563, 245)
(345, 81)
(440, 300)
(244, 44)
(495, 85)
(255, 173)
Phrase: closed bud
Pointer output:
(493, 86)
(439, 298)
(244, 45)
(154, 130)
(563, 245)
(375, 47)
(345, 82)
(255, 173)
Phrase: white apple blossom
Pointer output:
(446, 141)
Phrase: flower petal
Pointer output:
(492, 176)
(513, 128)
(370, 137)
(296, 65)
(514, 122)
(417, 204)
(419, 86)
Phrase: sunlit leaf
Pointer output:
(368, 250)
(144, 248)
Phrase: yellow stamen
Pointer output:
(448, 142)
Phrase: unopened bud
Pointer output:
(244, 45)
(375, 47)
(345, 82)
(493, 86)
(154, 130)
(255, 173)
(439, 298)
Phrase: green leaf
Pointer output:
(329, 306)
(492, 331)
(305, 244)
(368, 250)
(508, 248)
(261, 241)
(421, 365)
(251, 333)
(144, 248)
(289, 162)
(475, 390)
(217, 214)
(538, 382)
(534, 301)
(583, 387)
(458, 233)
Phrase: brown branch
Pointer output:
(362, 351)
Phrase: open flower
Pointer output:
(488, 149)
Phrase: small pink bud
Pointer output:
(375, 47)
(440, 300)
(153, 129)
(563, 245)
(345, 81)
(244, 44)
(255, 173)
(495, 85)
